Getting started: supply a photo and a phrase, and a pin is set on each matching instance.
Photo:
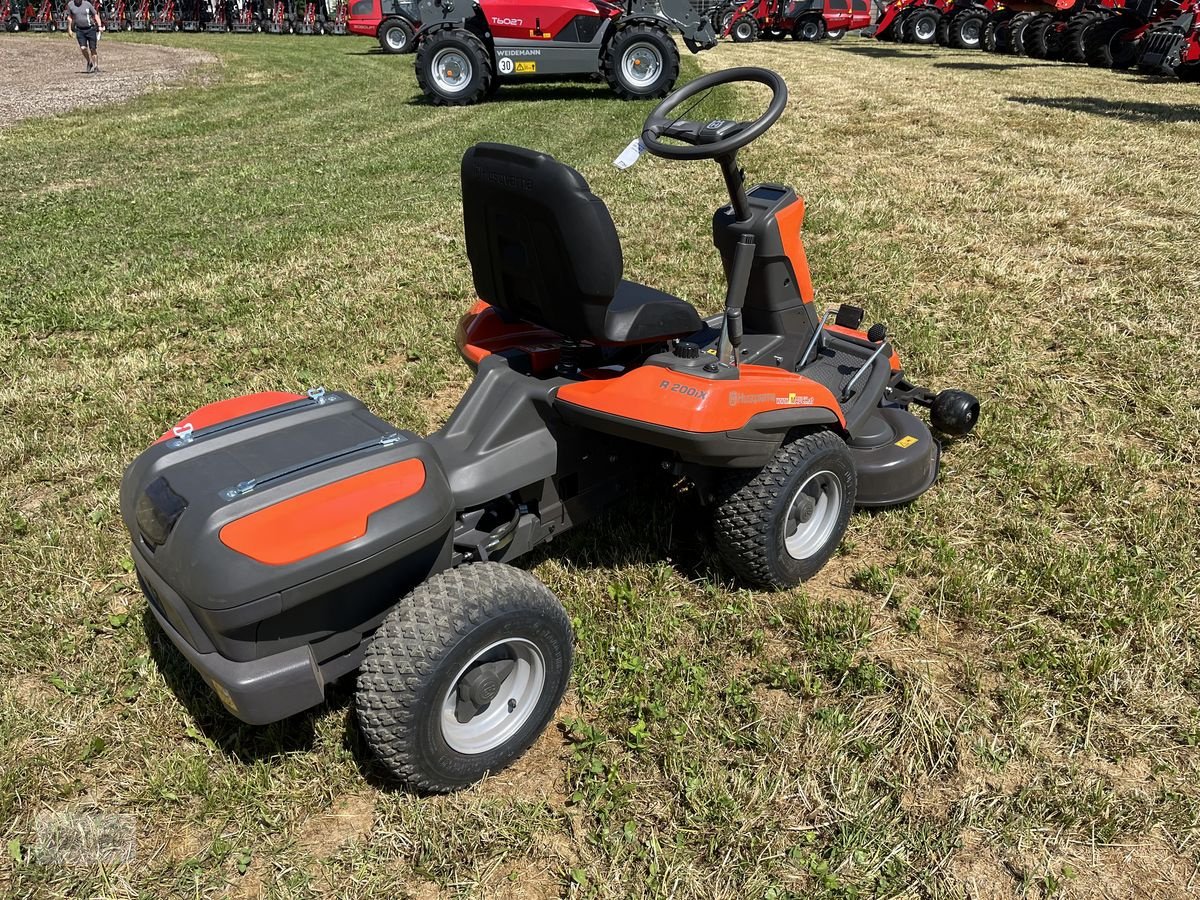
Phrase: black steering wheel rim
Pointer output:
(658, 121)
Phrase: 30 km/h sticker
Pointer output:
(505, 65)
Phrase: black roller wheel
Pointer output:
(809, 29)
(966, 29)
(463, 675)
(1074, 38)
(1017, 32)
(744, 30)
(454, 68)
(778, 525)
(641, 62)
(396, 36)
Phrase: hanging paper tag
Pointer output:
(630, 154)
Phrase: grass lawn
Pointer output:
(991, 693)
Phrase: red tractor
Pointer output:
(1045, 29)
(9, 16)
(393, 23)
(341, 14)
(951, 23)
(141, 16)
(166, 17)
(220, 15)
(1174, 45)
(1115, 41)
(467, 50)
(115, 14)
(311, 19)
(804, 20)
(44, 18)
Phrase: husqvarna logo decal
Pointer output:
(686, 389)
(736, 399)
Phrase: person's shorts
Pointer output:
(87, 37)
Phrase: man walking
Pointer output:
(83, 20)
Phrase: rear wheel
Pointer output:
(744, 30)
(991, 30)
(943, 31)
(835, 34)
(396, 36)
(641, 62)
(923, 26)
(1019, 23)
(454, 68)
(1035, 35)
(966, 29)
(463, 675)
(809, 29)
(1074, 39)
(778, 525)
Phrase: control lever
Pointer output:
(735, 298)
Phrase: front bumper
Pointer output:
(258, 691)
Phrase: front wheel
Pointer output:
(835, 34)
(463, 675)
(744, 30)
(778, 525)
(641, 62)
(454, 68)
(396, 36)
(811, 29)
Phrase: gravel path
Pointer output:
(43, 74)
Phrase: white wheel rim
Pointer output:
(451, 70)
(810, 31)
(812, 515)
(641, 64)
(925, 29)
(743, 30)
(970, 31)
(501, 707)
(395, 38)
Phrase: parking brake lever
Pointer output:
(735, 298)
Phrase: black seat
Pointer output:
(543, 249)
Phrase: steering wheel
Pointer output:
(721, 137)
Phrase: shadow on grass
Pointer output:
(1129, 111)
(885, 52)
(985, 66)
(237, 740)
(537, 91)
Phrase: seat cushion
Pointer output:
(641, 315)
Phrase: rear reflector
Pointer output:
(324, 518)
(157, 511)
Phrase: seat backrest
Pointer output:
(542, 246)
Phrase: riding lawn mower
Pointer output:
(285, 540)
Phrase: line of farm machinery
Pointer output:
(1157, 37)
(239, 16)
(803, 20)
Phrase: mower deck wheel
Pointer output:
(641, 62)
(454, 68)
(778, 525)
(463, 675)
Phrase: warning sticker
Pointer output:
(907, 441)
(525, 67)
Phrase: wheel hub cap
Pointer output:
(641, 64)
(812, 515)
(493, 696)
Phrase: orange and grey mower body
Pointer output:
(274, 534)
